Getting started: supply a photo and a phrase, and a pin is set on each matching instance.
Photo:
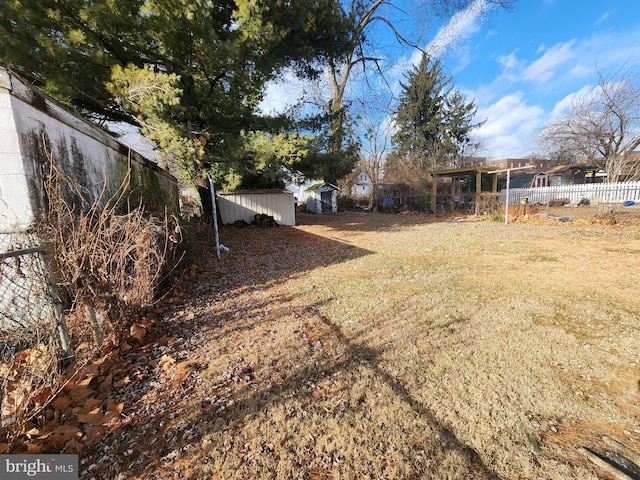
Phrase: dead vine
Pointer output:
(104, 258)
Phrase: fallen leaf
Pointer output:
(66, 429)
(95, 417)
(73, 447)
(91, 370)
(115, 407)
(91, 404)
(138, 331)
(34, 448)
(122, 381)
(106, 385)
(110, 419)
(49, 427)
(183, 370)
(93, 434)
(85, 382)
(80, 393)
(167, 363)
(42, 397)
(61, 403)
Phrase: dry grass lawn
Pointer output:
(366, 346)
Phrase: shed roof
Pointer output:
(322, 184)
(580, 166)
(524, 180)
(263, 191)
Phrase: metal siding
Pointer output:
(244, 206)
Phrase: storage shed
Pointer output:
(245, 205)
(530, 180)
(322, 198)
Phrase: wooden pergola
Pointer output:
(478, 170)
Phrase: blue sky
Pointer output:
(521, 65)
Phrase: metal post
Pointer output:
(58, 309)
(506, 200)
(214, 214)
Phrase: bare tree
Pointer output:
(374, 151)
(360, 18)
(602, 126)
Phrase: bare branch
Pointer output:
(602, 126)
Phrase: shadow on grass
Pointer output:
(160, 433)
(474, 462)
(254, 393)
(368, 221)
(360, 222)
(257, 259)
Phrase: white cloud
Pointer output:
(509, 62)
(510, 124)
(545, 67)
(581, 70)
(461, 26)
(282, 94)
(604, 16)
(563, 106)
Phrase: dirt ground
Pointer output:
(374, 346)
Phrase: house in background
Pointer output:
(363, 186)
(575, 174)
(322, 198)
(530, 180)
(299, 185)
(503, 163)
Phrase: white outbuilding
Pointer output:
(322, 198)
(245, 205)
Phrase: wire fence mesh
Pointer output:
(596, 203)
(30, 346)
(602, 202)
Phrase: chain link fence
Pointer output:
(31, 327)
(609, 204)
(446, 204)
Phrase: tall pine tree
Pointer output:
(433, 123)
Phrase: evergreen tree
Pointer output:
(433, 124)
(191, 73)
(362, 23)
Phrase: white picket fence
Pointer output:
(594, 192)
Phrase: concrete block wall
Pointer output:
(89, 156)
(15, 204)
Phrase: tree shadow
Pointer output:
(254, 394)
(168, 414)
(370, 221)
(476, 465)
